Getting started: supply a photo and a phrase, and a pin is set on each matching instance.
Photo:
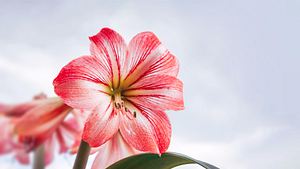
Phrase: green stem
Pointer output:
(39, 157)
(82, 155)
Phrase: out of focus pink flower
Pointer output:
(127, 88)
(46, 121)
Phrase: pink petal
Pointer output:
(72, 127)
(5, 136)
(82, 83)
(109, 47)
(22, 157)
(42, 119)
(148, 132)
(158, 92)
(101, 125)
(68, 134)
(49, 150)
(79, 118)
(18, 109)
(63, 145)
(148, 57)
(162, 128)
(112, 151)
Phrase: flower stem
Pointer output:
(39, 157)
(82, 155)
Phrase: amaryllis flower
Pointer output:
(127, 88)
(42, 122)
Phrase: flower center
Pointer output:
(120, 105)
(118, 102)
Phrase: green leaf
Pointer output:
(154, 161)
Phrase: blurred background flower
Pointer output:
(239, 61)
(43, 124)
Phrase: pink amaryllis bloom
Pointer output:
(128, 88)
(46, 121)
(9, 115)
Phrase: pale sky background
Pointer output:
(239, 64)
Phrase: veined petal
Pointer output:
(161, 127)
(101, 125)
(109, 47)
(43, 118)
(82, 83)
(148, 132)
(158, 92)
(112, 151)
(148, 57)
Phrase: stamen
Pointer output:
(121, 107)
(119, 103)
(129, 114)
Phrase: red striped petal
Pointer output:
(49, 150)
(109, 47)
(82, 83)
(148, 57)
(101, 125)
(148, 132)
(161, 126)
(158, 92)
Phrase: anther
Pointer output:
(118, 105)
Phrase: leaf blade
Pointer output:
(165, 161)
